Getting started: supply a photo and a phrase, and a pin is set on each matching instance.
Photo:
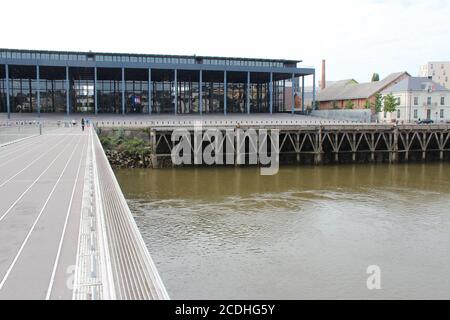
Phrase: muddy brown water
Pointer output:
(307, 232)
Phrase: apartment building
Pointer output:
(419, 98)
(438, 71)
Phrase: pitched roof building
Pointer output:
(418, 98)
(339, 93)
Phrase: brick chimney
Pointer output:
(323, 81)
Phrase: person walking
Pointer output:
(82, 124)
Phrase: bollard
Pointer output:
(40, 129)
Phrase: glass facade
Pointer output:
(212, 87)
(52, 89)
(136, 91)
(23, 89)
(163, 91)
(82, 98)
(119, 83)
(279, 97)
(188, 91)
(237, 92)
(109, 90)
(259, 93)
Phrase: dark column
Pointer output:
(248, 92)
(200, 101)
(292, 95)
(95, 91)
(8, 105)
(150, 91)
(176, 91)
(271, 92)
(67, 90)
(225, 92)
(38, 100)
(314, 91)
(303, 93)
(123, 91)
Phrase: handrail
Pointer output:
(133, 271)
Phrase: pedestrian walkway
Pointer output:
(41, 182)
(50, 195)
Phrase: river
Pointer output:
(305, 233)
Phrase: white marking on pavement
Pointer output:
(34, 161)
(55, 265)
(21, 155)
(33, 183)
(2, 283)
(17, 139)
(19, 147)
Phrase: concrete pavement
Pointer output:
(41, 186)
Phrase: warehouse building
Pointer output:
(108, 83)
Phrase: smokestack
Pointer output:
(323, 82)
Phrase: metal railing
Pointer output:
(129, 267)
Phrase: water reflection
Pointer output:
(308, 232)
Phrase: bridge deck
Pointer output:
(54, 236)
(41, 187)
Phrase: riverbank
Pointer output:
(126, 148)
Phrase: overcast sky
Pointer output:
(356, 37)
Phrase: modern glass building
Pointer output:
(108, 83)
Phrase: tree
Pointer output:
(375, 77)
(378, 102)
(390, 103)
(334, 105)
(349, 104)
(316, 105)
(368, 104)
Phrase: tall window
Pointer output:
(398, 113)
(429, 101)
(442, 113)
(442, 101)
(23, 88)
(416, 101)
(415, 113)
(399, 100)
